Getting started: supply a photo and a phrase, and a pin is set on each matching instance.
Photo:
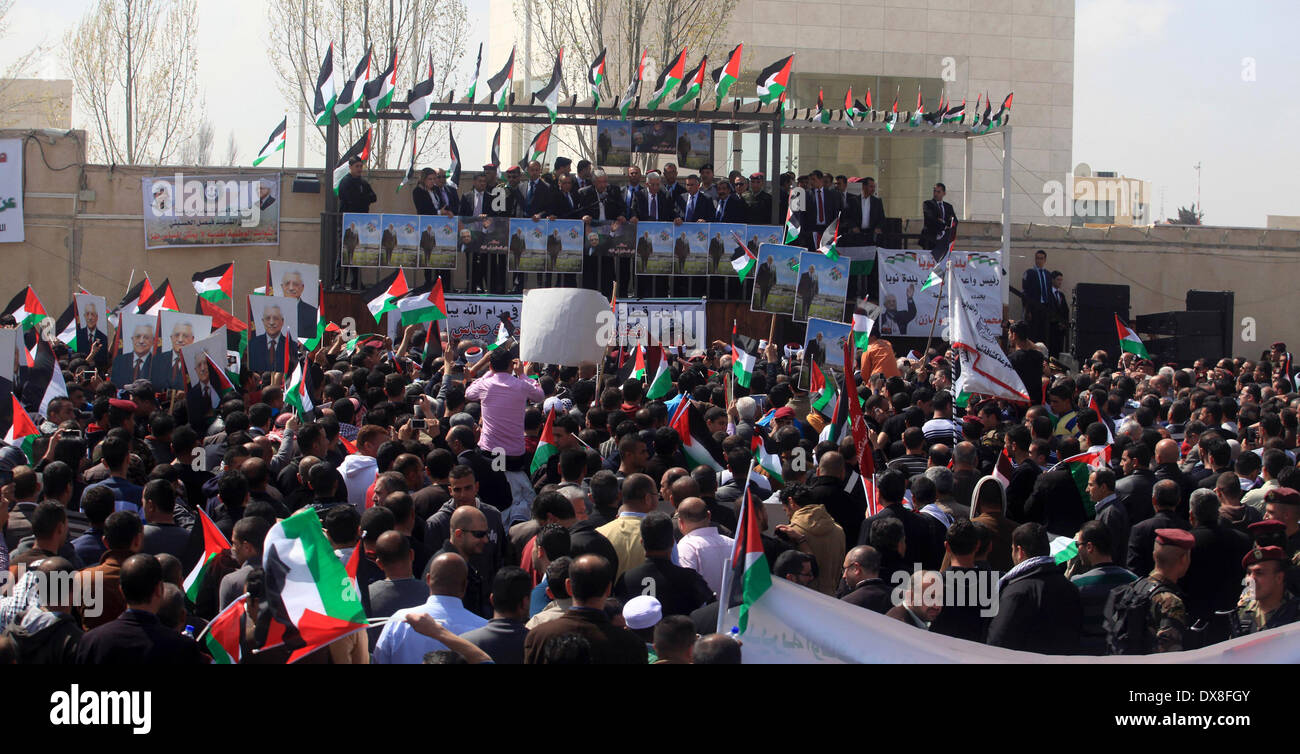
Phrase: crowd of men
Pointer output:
(613, 549)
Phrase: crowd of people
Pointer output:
(1184, 527)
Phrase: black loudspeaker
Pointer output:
(1182, 324)
(1216, 301)
(1093, 314)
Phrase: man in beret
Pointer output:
(1154, 601)
(1283, 504)
(1272, 604)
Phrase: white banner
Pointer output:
(908, 311)
(791, 624)
(11, 191)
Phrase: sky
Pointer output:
(1159, 87)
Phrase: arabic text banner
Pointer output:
(908, 311)
(211, 210)
(11, 191)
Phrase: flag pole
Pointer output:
(724, 598)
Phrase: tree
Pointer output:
(300, 34)
(1187, 216)
(134, 64)
(198, 150)
(623, 28)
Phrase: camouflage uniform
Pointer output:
(1167, 619)
(1251, 620)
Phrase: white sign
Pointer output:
(11, 191)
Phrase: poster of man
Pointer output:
(300, 281)
(361, 239)
(528, 243)
(823, 286)
(613, 143)
(92, 326)
(139, 341)
(691, 249)
(564, 246)
(824, 344)
(178, 330)
(274, 318)
(775, 278)
(694, 145)
(405, 250)
(654, 248)
(438, 239)
(722, 245)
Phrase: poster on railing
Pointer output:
(775, 278)
(439, 239)
(210, 210)
(909, 311)
(823, 285)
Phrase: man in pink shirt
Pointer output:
(503, 396)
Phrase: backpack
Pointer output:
(1125, 618)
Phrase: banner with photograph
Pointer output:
(209, 210)
(11, 191)
(909, 311)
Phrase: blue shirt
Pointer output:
(126, 494)
(399, 644)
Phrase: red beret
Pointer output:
(1261, 554)
(1175, 537)
(122, 405)
(1284, 495)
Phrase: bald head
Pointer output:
(448, 574)
(1167, 451)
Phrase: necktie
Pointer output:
(821, 209)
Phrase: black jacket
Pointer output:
(136, 638)
(1142, 540)
(1038, 611)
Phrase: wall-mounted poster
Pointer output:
(822, 287)
(775, 278)
(361, 239)
(654, 248)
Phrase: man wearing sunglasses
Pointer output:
(469, 536)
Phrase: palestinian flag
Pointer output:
(862, 325)
(633, 89)
(743, 260)
(660, 385)
(828, 400)
(596, 77)
(727, 75)
(326, 94)
(496, 148)
(537, 149)
(545, 445)
(766, 456)
(419, 101)
(750, 572)
(214, 543)
(1004, 112)
(22, 432)
(829, 238)
(473, 84)
(26, 309)
(273, 144)
(743, 359)
(549, 95)
(956, 113)
(360, 150)
(891, 119)
(453, 154)
(349, 100)
(379, 92)
(424, 304)
(216, 284)
(690, 88)
(1080, 467)
(773, 80)
(669, 79)
(919, 112)
(307, 588)
(823, 115)
(297, 392)
(382, 297)
(697, 444)
(933, 280)
(501, 82)
(1129, 340)
(793, 228)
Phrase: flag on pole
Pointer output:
(360, 151)
(379, 92)
(743, 260)
(216, 284)
(669, 79)
(545, 445)
(22, 433)
(419, 101)
(1129, 341)
(690, 87)
(214, 543)
(382, 297)
(633, 88)
(307, 588)
(349, 100)
(273, 144)
(549, 95)
(26, 309)
(697, 443)
(727, 75)
(473, 84)
(325, 95)
(773, 80)
(596, 77)
(502, 81)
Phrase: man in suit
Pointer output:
(864, 216)
(169, 371)
(138, 362)
(136, 636)
(88, 334)
(536, 193)
(807, 290)
(759, 201)
(653, 204)
(940, 223)
(266, 352)
(693, 206)
(823, 206)
(729, 208)
(1036, 294)
(601, 203)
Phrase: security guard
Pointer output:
(1272, 605)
